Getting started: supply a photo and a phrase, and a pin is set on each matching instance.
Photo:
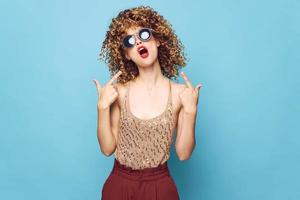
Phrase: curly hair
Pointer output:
(170, 52)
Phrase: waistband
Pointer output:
(140, 174)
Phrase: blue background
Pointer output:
(245, 53)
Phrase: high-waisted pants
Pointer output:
(125, 183)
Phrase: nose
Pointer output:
(138, 42)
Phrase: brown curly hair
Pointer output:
(170, 52)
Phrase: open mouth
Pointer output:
(143, 51)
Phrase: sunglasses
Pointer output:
(144, 34)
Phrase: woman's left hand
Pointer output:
(189, 96)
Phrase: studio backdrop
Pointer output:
(245, 53)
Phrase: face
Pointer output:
(142, 52)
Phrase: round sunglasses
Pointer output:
(144, 34)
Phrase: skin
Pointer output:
(111, 95)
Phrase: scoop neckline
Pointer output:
(153, 118)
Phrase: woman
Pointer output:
(140, 107)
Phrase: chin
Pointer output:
(147, 62)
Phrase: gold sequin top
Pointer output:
(144, 143)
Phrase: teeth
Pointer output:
(141, 49)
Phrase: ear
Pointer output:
(127, 56)
(157, 43)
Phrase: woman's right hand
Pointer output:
(108, 93)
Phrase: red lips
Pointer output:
(143, 51)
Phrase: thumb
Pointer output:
(98, 85)
(198, 86)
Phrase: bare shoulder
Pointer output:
(121, 88)
(177, 87)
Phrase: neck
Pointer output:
(150, 75)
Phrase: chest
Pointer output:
(149, 108)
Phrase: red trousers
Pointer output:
(125, 183)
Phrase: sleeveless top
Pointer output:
(144, 143)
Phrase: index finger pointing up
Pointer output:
(187, 82)
(115, 77)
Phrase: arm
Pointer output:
(108, 114)
(108, 127)
(185, 139)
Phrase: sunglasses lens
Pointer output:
(145, 34)
(129, 41)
